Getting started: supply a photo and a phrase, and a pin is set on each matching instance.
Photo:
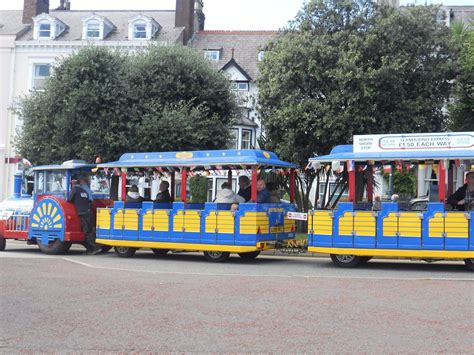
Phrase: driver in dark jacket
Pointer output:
(81, 197)
(463, 198)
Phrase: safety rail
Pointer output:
(17, 222)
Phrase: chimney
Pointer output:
(201, 18)
(184, 17)
(64, 5)
(32, 8)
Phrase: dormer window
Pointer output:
(139, 30)
(93, 30)
(212, 54)
(47, 27)
(96, 27)
(142, 27)
(44, 30)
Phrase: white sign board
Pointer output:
(413, 142)
(298, 216)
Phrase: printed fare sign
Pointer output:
(298, 216)
(415, 141)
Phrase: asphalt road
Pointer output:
(182, 303)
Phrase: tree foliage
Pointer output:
(105, 102)
(346, 67)
(462, 109)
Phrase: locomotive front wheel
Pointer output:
(250, 255)
(3, 242)
(216, 256)
(469, 264)
(125, 252)
(346, 261)
(54, 248)
(160, 252)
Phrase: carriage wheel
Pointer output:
(346, 261)
(3, 242)
(160, 252)
(469, 264)
(54, 248)
(216, 256)
(250, 255)
(125, 252)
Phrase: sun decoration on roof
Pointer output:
(46, 216)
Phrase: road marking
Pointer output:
(269, 275)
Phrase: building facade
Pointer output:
(32, 40)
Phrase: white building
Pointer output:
(33, 39)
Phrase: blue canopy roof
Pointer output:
(203, 159)
(67, 165)
(345, 152)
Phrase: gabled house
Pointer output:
(237, 54)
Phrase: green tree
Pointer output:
(462, 109)
(346, 67)
(105, 102)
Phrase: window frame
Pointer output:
(50, 30)
(145, 30)
(209, 54)
(87, 30)
(242, 131)
(35, 78)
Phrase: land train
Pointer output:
(352, 232)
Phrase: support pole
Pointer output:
(124, 185)
(173, 184)
(229, 177)
(352, 181)
(292, 185)
(254, 184)
(184, 175)
(451, 167)
(441, 181)
(370, 183)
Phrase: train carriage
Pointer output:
(355, 232)
(212, 228)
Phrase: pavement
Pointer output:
(182, 303)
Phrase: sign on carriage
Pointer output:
(413, 142)
(298, 216)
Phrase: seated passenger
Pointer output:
(274, 192)
(164, 195)
(263, 196)
(377, 205)
(245, 190)
(226, 195)
(133, 195)
(394, 198)
(463, 198)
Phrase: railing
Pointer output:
(17, 222)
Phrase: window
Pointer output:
(234, 140)
(260, 55)
(213, 55)
(93, 30)
(55, 181)
(246, 142)
(39, 182)
(44, 30)
(41, 73)
(139, 30)
(241, 86)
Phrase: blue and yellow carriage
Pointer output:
(182, 225)
(355, 231)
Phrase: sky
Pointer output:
(220, 14)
